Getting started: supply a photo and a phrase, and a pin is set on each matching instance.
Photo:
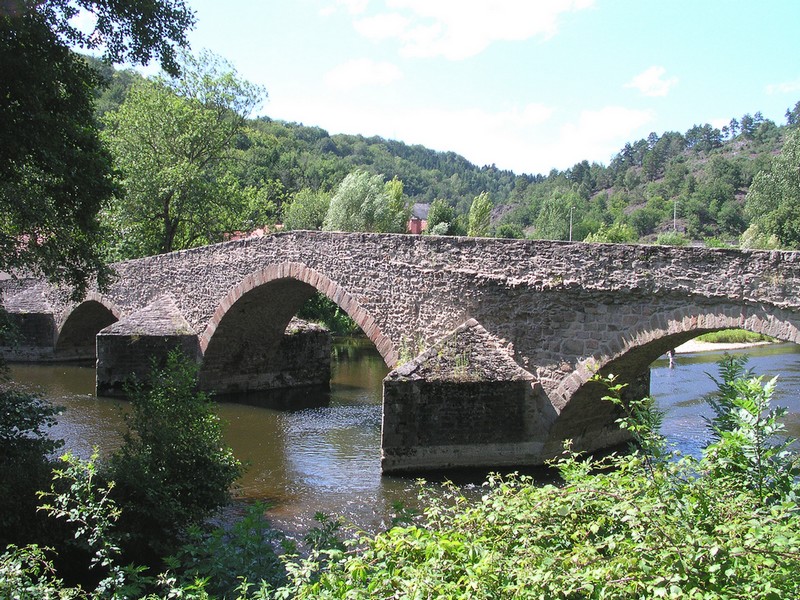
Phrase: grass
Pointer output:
(733, 336)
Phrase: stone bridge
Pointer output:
(493, 342)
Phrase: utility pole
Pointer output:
(674, 214)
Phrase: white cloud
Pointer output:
(785, 87)
(360, 73)
(651, 82)
(459, 29)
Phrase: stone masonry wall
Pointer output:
(553, 304)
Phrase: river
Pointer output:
(323, 454)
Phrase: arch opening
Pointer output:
(77, 336)
(255, 343)
(590, 421)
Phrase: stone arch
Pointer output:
(251, 320)
(628, 354)
(304, 274)
(80, 326)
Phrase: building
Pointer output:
(419, 218)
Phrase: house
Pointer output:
(419, 218)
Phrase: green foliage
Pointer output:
(510, 231)
(362, 202)
(172, 140)
(306, 210)
(552, 222)
(223, 558)
(77, 497)
(749, 439)
(755, 238)
(672, 238)
(55, 175)
(321, 309)
(27, 573)
(733, 336)
(480, 213)
(442, 219)
(173, 469)
(774, 195)
(618, 233)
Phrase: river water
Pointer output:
(323, 454)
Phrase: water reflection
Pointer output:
(321, 452)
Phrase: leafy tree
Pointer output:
(54, 174)
(754, 238)
(171, 139)
(173, 468)
(793, 115)
(618, 233)
(774, 195)
(362, 202)
(480, 214)
(306, 210)
(672, 238)
(552, 223)
(442, 219)
(510, 231)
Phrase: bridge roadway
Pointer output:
(493, 342)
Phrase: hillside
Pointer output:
(694, 181)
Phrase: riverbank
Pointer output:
(696, 346)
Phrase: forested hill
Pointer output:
(694, 182)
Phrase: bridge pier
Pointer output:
(131, 347)
(301, 359)
(462, 403)
(32, 323)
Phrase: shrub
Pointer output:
(173, 469)
(672, 238)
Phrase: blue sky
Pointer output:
(528, 85)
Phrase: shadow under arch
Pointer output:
(246, 331)
(77, 333)
(628, 355)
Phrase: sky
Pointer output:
(526, 85)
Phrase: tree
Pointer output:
(54, 174)
(173, 468)
(774, 195)
(793, 115)
(172, 138)
(618, 233)
(306, 210)
(362, 202)
(442, 219)
(480, 213)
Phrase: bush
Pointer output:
(173, 469)
(618, 233)
(672, 238)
